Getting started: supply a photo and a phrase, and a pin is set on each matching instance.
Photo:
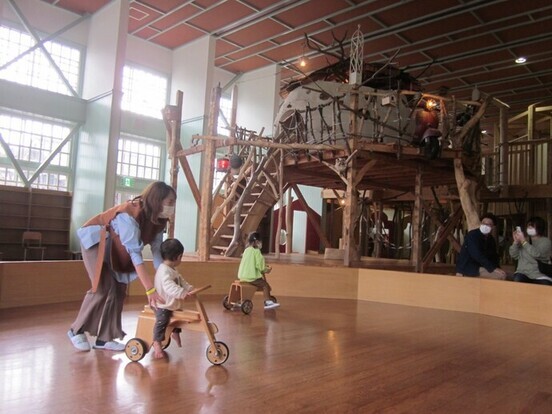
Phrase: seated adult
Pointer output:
(529, 252)
(479, 255)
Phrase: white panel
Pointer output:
(299, 232)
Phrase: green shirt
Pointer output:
(252, 265)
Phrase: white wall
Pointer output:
(258, 99)
(193, 74)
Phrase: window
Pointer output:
(34, 69)
(144, 93)
(138, 159)
(32, 140)
(139, 162)
(225, 115)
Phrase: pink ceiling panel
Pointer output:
(522, 32)
(265, 29)
(140, 16)
(222, 47)
(410, 11)
(164, 6)
(175, 17)
(246, 65)
(205, 3)
(300, 33)
(477, 61)
(253, 50)
(81, 7)
(260, 4)
(359, 11)
(508, 8)
(177, 36)
(146, 32)
(537, 48)
(496, 74)
(464, 46)
(290, 50)
(221, 16)
(388, 45)
(222, 61)
(346, 31)
(432, 30)
(312, 10)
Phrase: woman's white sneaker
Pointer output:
(79, 341)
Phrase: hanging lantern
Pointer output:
(223, 164)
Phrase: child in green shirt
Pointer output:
(253, 268)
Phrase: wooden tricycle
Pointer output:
(136, 348)
(241, 295)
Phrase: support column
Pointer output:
(350, 212)
(416, 256)
(207, 175)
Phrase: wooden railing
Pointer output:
(527, 163)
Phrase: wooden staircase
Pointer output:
(248, 207)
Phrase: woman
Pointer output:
(112, 244)
(528, 253)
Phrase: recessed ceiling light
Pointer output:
(521, 59)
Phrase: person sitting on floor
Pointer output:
(528, 253)
(479, 255)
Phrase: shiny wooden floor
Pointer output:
(309, 356)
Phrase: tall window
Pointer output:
(34, 69)
(139, 162)
(224, 116)
(32, 140)
(144, 93)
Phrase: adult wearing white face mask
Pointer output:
(479, 255)
(529, 252)
(111, 245)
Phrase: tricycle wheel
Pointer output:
(247, 306)
(226, 303)
(273, 299)
(217, 354)
(136, 349)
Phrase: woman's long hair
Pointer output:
(152, 199)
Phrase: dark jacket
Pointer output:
(477, 251)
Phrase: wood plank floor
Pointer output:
(309, 356)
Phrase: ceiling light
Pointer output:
(303, 62)
(521, 59)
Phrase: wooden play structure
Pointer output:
(368, 150)
(136, 348)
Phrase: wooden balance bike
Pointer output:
(136, 348)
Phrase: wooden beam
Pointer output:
(311, 216)
(446, 233)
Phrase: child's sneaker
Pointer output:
(270, 304)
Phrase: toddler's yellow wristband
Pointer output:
(151, 291)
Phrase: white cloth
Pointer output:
(171, 286)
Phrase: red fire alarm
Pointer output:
(223, 164)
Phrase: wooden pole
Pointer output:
(207, 175)
(416, 256)
(280, 210)
(351, 194)
(289, 221)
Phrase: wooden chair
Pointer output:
(32, 240)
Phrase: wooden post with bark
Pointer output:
(207, 175)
